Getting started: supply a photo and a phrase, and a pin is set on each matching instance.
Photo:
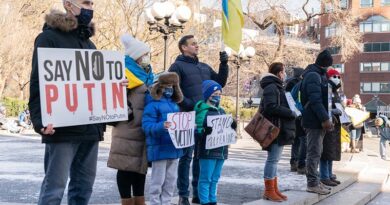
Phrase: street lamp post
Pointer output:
(244, 55)
(164, 18)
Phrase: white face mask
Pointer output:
(336, 80)
(145, 61)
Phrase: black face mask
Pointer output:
(85, 16)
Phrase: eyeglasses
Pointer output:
(336, 76)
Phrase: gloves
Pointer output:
(208, 130)
(336, 112)
(327, 125)
(223, 57)
(234, 125)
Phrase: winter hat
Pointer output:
(298, 72)
(324, 59)
(167, 79)
(133, 47)
(209, 87)
(332, 72)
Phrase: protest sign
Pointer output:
(182, 130)
(344, 118)
(80, 86)
(357, 116)
(292, 104)
(222, 134)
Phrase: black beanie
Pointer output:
(324, 59)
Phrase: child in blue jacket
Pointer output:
(161, 152)
(210, 161)
(383, 125)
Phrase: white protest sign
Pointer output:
(344, 118)
(182, 130)
(79, 86)
(292, 104)
(222, 134)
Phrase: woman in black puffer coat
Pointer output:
(275, 108)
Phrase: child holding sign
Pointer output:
(161, 151)
(211, 161)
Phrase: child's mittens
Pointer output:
(234, 125)
(208, 130)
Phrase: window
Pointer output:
(339, 67)
(376, 24)
(377, 47)
(365, 3)
(331, 31)
(385, 2)
(344, 4)
(375, 67)
(334, 50)
(375, 87)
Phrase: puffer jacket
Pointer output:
(275, 108)
(203, 110)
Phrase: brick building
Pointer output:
(367, 73)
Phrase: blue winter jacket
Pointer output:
(314, 97)
(159, 144)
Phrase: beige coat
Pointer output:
(128, 147)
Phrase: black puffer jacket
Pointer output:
(192, 73)
(278, 112)
(332, 141)
(58, 32)
(299, 131)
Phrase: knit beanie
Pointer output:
(133, 47)
(332, 72)
(209, 87)
(324, 59)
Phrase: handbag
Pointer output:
(262, 130)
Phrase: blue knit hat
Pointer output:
(209, 87)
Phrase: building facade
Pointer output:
(368, 72)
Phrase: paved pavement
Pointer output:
(21, 172)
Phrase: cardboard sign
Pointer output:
(222, 134)
(357, 116)
(292, 104)
(79, 86)
(182, 130)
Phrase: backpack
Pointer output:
(296, 94)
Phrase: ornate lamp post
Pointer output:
(164, 18)
(244, 55)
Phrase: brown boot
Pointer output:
(128, 201)
(269, 192)
(284, 197)
(139, 200)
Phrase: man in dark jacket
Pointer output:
(192, 73)
(298, 148)
(69, 151)
(315, 117)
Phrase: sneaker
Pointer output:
(183, 201)
(328, 182)
(384, 158)
(324, 186)
(302, 171)
(318, 190)
(335, 180)
(195, 200)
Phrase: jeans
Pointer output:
(326, 169)
(315, 138)
(356, 133)
(162, 181)
(76, 160)
(210, 171)
(382, 147)
(298, 151)
(184, 173)
(271, 164)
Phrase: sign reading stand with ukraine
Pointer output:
(232, 23)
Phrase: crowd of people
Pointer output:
(190, 85)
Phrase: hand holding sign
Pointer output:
(181, 128)
(222, 133)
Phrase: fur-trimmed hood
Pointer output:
(164, 80)
(59, 20)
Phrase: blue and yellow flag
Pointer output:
(232, 23)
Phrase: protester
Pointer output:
(192, 73)
(210, 161)
(69, 151)
(161, 152)
(315, 117)
(24, 119)
(128, 146)
(383, 125)
(332, 143)
(276, 109)
(298, 148)
(356, 131)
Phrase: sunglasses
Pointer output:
(336, 76)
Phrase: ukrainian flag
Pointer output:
(232, 23)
